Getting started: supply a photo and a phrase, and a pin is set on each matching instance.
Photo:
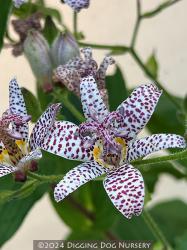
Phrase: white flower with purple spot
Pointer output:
(77, 5)
(18, 3)
(107, 144)
(17, 153)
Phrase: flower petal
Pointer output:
(62, 140)
(78, 4)
(150, 144)
(43, 125)
(17, 106)
(138, 108)
(18, 3)
(125, 187)
(93, 105)
(77, 177)
(33, 155)
(4, 170)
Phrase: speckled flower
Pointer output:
(77, 5)
(107, 143)
(71, 74)
(17, 152)
(18, 3)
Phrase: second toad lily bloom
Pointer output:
(18, 152)
(107, 144)
(77, 5)
(15, 154)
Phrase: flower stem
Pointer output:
(155, 229)
(71, 107)
(149, 74)
(119, 48)
(137, 25)
(45, 178)
(75, 24)
(176, 156)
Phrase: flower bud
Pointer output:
(33, 166)
(63, 49)
(20, 176)
(37, 52)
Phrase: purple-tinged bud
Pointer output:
(33, 166)
(20, 176)
(64, 48)
(37, 52)
(47, 87)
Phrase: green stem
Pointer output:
(75, 24)
(177, 156)
(71, 107)
(121, 48)
(45, 178)
(158, 9)
(137, 25)
(156, 230)
(149, 74)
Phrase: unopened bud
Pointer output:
(20, 176)
(63, 49)
(36, 50)
(33, 167)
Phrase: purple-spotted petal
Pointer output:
(62, 139)
(77, 177)
(4, 170)
(150, 144)
(77, 5)
(138, 108)
(17, 106)
(18, 3)
(42, 126)
(93, 105)
(125, 187)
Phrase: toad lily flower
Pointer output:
(18, 3)
(71, 73)
(107, 143)
(15, 154)
(77, 5)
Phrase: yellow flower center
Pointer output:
(110, 160)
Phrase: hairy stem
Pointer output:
(177, 156)
(155, 229)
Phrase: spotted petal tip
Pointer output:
(125, 188)
(76, 178)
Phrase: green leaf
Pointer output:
(28, 9)
(116, 86)
(102, 207)
(164, 120)
(134, 229)
(5, 8)
(50, 30)
(181, 242)
(14, 212)
(23, 192)
(44, 98)
(151, 173)
(152, 65)
(32, 104)
(171, 217)
(87, 235)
